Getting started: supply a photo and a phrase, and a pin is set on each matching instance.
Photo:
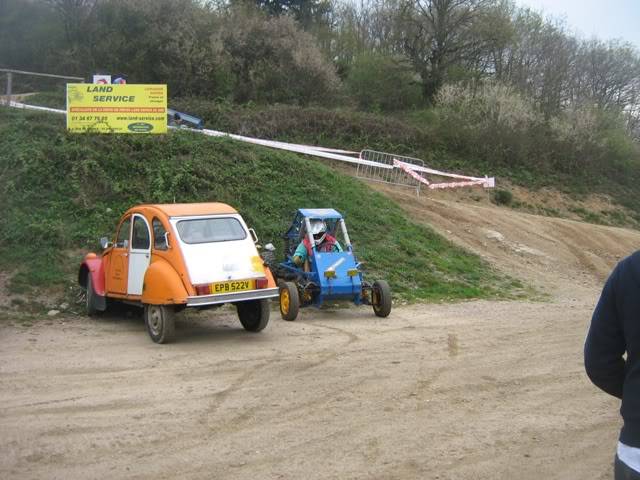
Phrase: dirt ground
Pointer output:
(473, 390)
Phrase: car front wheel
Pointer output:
(253, 314)
(159, 320)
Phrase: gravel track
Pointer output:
(472, 390)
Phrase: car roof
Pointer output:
(324, 213)
(185, 209)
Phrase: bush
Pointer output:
(307, 125)
(491, 123)
(381, 82)
(158, 41)
(502, 197)
(587, 139)
(272, 60)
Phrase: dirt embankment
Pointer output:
(554, 254)
(474, 390)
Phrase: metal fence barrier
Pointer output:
(382, 169)
(10, 73)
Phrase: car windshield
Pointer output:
(208, 230)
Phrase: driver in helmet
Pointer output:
(323, 242)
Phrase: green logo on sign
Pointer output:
(140, 127)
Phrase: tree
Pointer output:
(383, 82)
(306, 12)
(539, 60)
(159, 41)
(438, 34)
(608, 74)
(75, 15)
(29, 35)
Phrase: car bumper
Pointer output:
(202, 300)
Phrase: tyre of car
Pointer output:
(160, 322)
(381, 298)
(289, 301)
(90, 298)
(253, 314)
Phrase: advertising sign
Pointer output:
(102, 79)
(116, 108)
(119, 79)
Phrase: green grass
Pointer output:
(417, 133)
(52, 99)
(60, 192)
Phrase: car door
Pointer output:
(139, 254)
(119, 261)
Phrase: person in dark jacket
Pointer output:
(614, 332)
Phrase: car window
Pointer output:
(140, 238)
(122, 240)
(208, 230)
(159, 240)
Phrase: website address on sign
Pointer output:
(118, 110)
(140, 118)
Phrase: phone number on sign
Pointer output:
(88, 118)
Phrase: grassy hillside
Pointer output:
(581, 155)
(61, 192)
(574, 159)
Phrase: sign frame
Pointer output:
(113, 108)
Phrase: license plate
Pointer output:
(232, 286)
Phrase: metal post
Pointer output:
(10, 73)
(347, 240)
(307, 226)
(9, 87)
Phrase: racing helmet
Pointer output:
(318, 230)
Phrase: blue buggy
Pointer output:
(326, 274)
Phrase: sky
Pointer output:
(605, 19)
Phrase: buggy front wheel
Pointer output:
(289, 301)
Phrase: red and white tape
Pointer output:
(411, 170)
(405, 168)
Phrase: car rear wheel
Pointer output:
(160, 322)
(253, 314)
(381, 298)
(90, 298)
(289, 301)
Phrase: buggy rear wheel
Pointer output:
(289, 301)
(381, 298)
(253, 314)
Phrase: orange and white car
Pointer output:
(169, 257)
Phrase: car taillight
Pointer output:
(262, 283)
(203, 289)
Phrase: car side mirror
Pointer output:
(105, 243)
(252, 232)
